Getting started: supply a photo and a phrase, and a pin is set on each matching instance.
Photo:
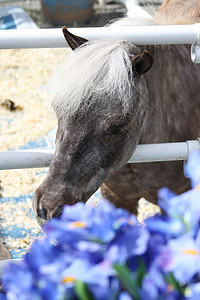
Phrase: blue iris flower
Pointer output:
(153, 284)
(182, 257)
(185, 208)
(132, 241)
(101, 252)
(165, 225)
(194, 292)
(125, 296)
(192, 168)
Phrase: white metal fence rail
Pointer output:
(40, 158)
(140, 35)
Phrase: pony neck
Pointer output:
(172, 94)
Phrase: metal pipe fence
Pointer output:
(139, 35)
(41, 158)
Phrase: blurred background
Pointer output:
(55, 13)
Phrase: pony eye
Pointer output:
(119, 129)
(115, 127)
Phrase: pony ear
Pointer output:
(74, 41)
(142, 63)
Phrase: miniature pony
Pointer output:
(111, 96)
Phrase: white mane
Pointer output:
(100, 71)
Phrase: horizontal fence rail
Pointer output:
(41, 158)
(140, 35)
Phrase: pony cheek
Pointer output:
(119, 154)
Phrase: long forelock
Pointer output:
(99, 71)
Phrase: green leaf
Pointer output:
(129, 282)
(82, 291)
(141, 272)
(172, 281)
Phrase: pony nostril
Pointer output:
(58, 212)
(42, 213)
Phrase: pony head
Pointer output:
(101, 102)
